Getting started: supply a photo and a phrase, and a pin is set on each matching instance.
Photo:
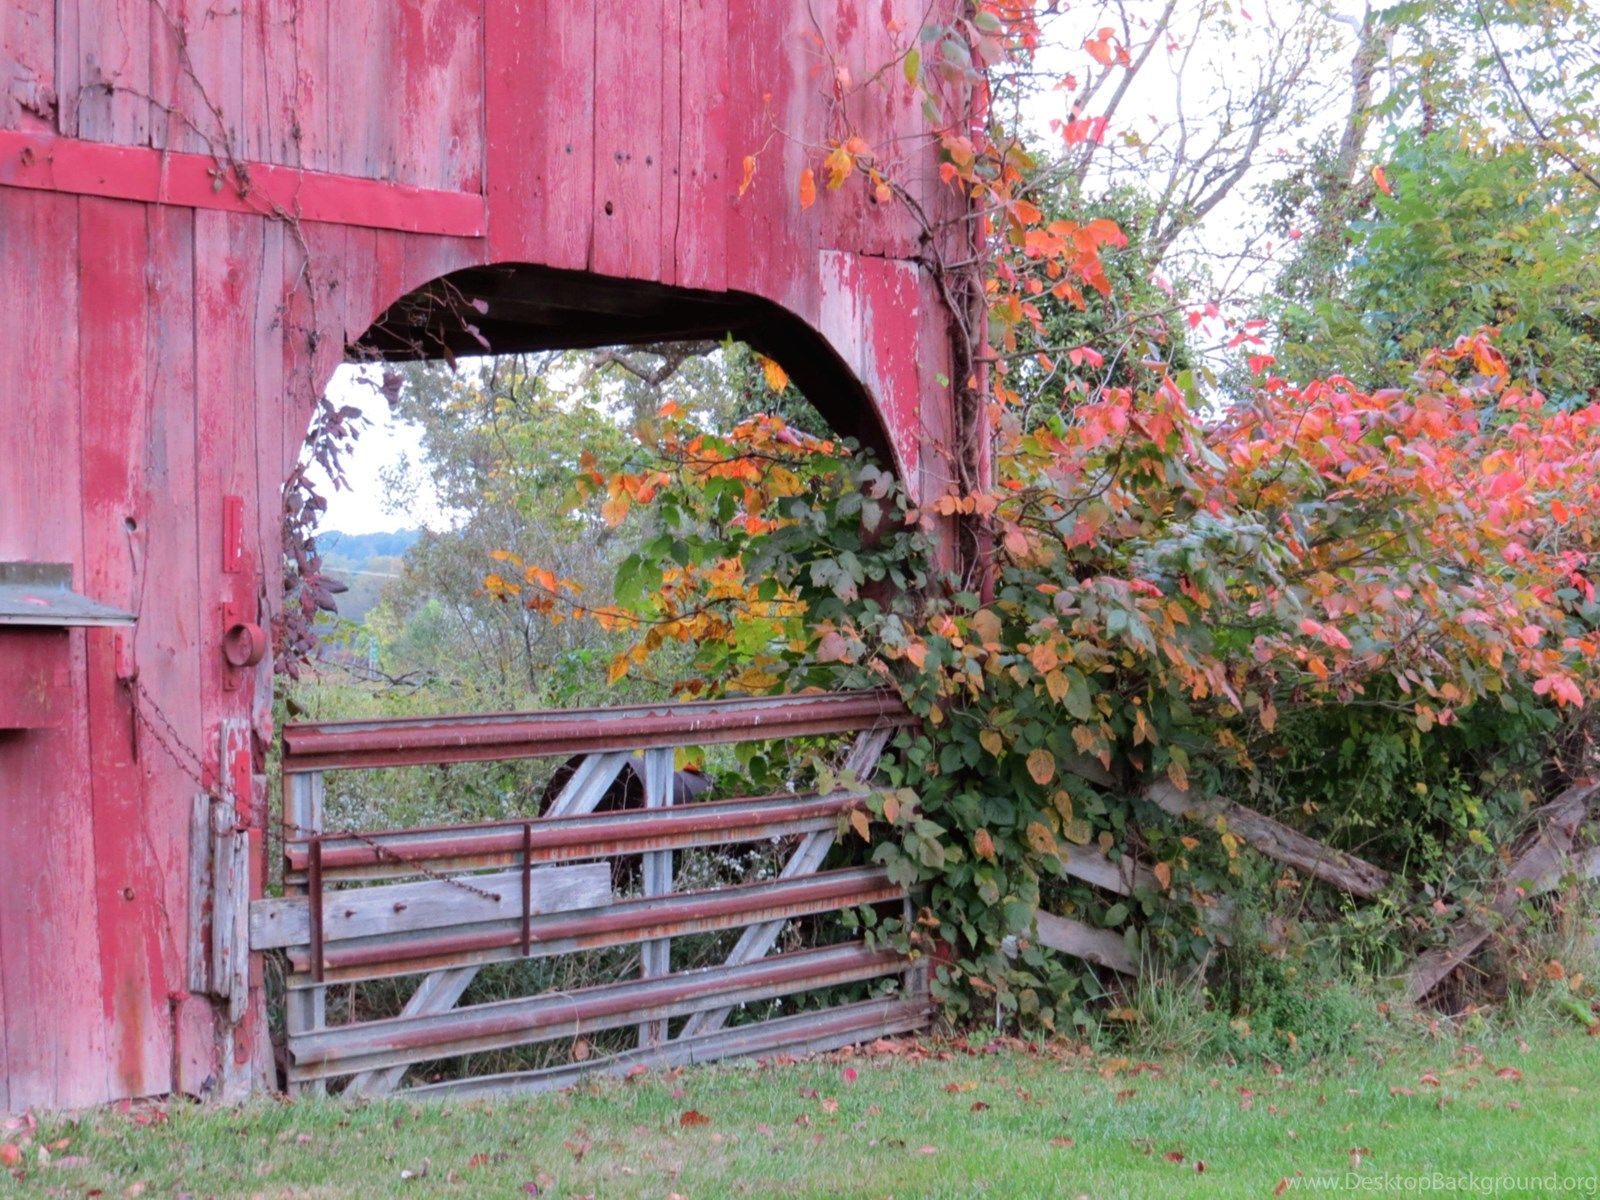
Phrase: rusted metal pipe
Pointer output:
(618, 924)
(342, 745)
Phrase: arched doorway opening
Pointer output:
(512, 841)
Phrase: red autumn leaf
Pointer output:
(693, 1117)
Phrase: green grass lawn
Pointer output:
(950, 1122)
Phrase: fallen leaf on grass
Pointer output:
(1064, 1142)
(927, 1150)
(10, 1156)
(978, 1106)
(1126, 1094)
(1174, 1156)
(693, 1117)
(1429, 1079)
(849, 1074)
(1283, 1186)
(953, 1088)
(1508, 1073)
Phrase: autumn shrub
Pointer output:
(1369, 613)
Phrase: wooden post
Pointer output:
(655, 957)
(305, 1009)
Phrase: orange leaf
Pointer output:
(858, 822)
(983, 845)
(1042, 766)
(1163, 873)
(749, 173)
(1381, 178)
(808, 188)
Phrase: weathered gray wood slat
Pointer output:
(1093, 865)
(200, 894)
(523, 1021)
(305, 1009)
(426, 904)
(588, 784)
(655, 957)
(438, 992)
(1100, 946)
(230, 931)
(805, 1033)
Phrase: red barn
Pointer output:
(203, 206)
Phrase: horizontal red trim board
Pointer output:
(45, 162)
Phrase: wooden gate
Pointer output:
(443, 902)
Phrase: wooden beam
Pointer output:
(426, 904)
(1275, 839)
(46, 162)
(1099, 946)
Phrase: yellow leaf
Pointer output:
(1057, 683)
(838, 165)
(1041, 839)
(1179, 777)
(1042, 766)
(992, 742)
(983, 845)
(1063, 802)
(1077, 831)
(858, 822)
(1163, 873)
(891, 808)
(808, 188)
(777, 378)
(617, 669)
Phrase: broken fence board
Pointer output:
(1276, 840)
(1099, 946)
(1540, 861)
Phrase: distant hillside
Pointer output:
(365, 562)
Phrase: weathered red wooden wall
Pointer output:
(164, 328)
